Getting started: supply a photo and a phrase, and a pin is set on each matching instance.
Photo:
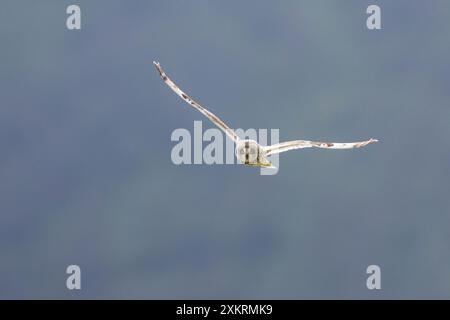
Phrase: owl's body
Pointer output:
(250, 153)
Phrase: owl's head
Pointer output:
(247, 151)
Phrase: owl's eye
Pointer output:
(241, 151)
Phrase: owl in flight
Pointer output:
(249, 152)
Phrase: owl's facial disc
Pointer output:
(247, 152)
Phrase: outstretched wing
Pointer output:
(298, 144)
(230, 133)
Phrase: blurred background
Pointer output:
(86, 176)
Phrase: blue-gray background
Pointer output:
(86, 176)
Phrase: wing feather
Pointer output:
(219, 123)
(299, 144)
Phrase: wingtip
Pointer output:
(372, 140)
(158, 68)
(156, 64)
